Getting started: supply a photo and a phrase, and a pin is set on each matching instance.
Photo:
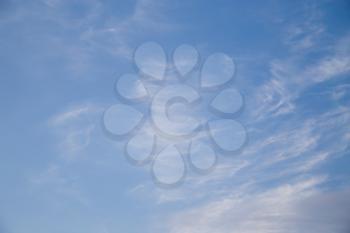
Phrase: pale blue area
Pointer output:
(57, 56)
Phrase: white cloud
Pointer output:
(74, 128)
(294, 208)
(71, 114)
(54, 183)
(117, 35)
(290, 77)
(300, 144)
(329, 67)
(305, 35)
(291, 148)
(78, 33)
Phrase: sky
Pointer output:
(65, 169)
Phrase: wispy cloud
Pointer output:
(290, 77)
(78, 33)
(74, 128)
(55, 184)
(117, 35)
(305, 32)
(297, 207)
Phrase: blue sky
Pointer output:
(60, 173)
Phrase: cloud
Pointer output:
(71, 38)
(295, 208)
(117, 35)
(329, 67)
(281, 150)
(298, 145)
(71, 115)
(74, 128)
(54, 183)
(306, 30)
(292, 76)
